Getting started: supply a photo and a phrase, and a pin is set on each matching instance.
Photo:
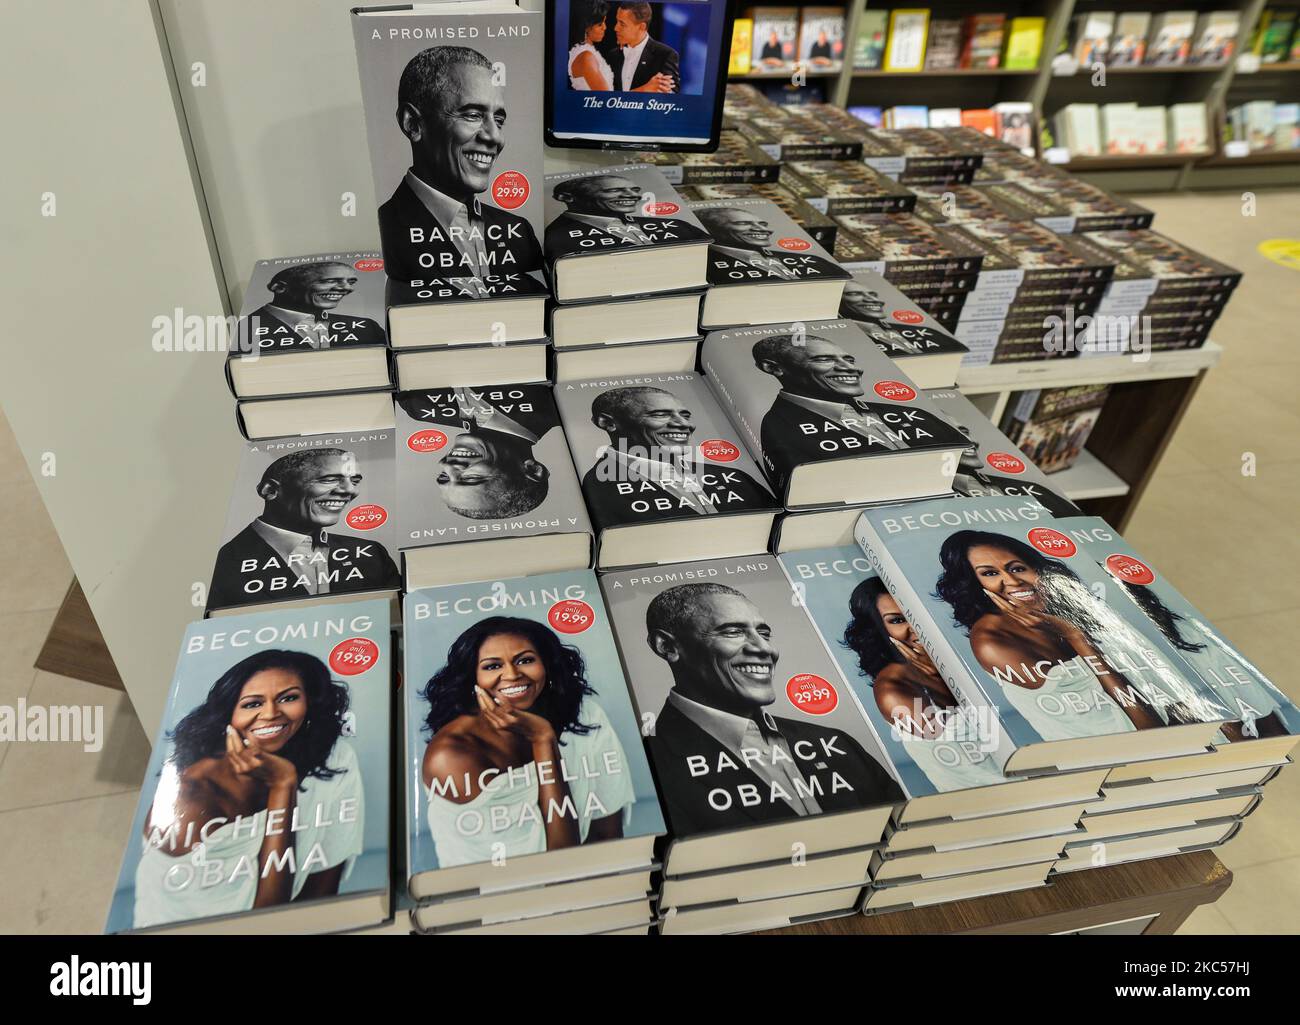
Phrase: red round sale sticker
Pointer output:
(367, 517)
(354, 656)
(1129, 570)
(896, 391)
(371, 264)
(427, 440)
(571, 616)
(1005, 462)
(907, 316)
(660, 209)
(1051, 542)
(510, 190)
(810, 693)
(795, 245)
(719, 450)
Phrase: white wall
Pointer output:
(144, 442)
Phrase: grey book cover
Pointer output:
(742, 708)
(756, 242)
(991, 465)
(310, 516)
(894, 322)
(453, 108)
(611, 209)
(320, 301)
(480, 463)
(657, 447)
(818, 391)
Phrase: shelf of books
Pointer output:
(1130, 96)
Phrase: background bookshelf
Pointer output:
(1220, 87)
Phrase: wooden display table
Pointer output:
(1168, 888)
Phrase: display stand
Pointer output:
(1144, 897)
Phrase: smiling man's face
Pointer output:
(313, 496)
(728, 654)
(607, 196)
(741, 229)
(820, 369)
(318, 290)
(457, 143)
(651, 422)
(860, 303)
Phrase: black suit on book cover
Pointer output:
(656, 59)
(363, 330)
(314, 291)
(560, 240)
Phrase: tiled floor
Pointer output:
(1229, 540)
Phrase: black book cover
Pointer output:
(755, 242)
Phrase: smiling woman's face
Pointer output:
(271, 708)
(1005, 574)
(511, 670)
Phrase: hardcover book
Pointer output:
(735, 160)
(1024, 44)
(1170, 41)
(311, 324)
(943, 50)
(821, 37)
(1258, 709)
(310, 521)
(265, 804)
(497, 309)
(620, 231)
(869, 48)
(664, 474)
(846, 187)
(1216, 37)
(905, 49)
(485, 486)
(523, 763)
(751, 741)
(1128, 41)
(991, 465)
(998, 595)
(946, 748)
(456, 158)
(832, 419)
(983, 46)
(776, 33)
(821, 229)
(763, 267)
(742, 40)
(902, 330)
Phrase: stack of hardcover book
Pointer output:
(787, 194)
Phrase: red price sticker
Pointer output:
(354, 656)
(907, 316)
(367, 517)
(719, 450)
(1005, 462)
(895, 391)
(660, 209)
(372, 264)
(427, 440)
(510, 190)
(1051, 542)
(571, 616)
(810, 693)
(795, 245)
(1130, 570)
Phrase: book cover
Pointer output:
(614, 209)
(742, 42)
(743, 714)
(321, 301)
(1257, 707)
(943, 50)
(982, 120)
(1092, 34)
(1170, 41)
(991, 465)
(825, 392)
(983, 45)
(520, 733)
(797, 206)
(657, 447)
(480, 463)
(268, 786)
(1128, 42)
(869, 48)
(438, 291)
(821, 37)
(1024, 43)
(905, 49)
(1276, 28)
(310, 517)
(736, 159)
(776, 35)
(992, 586)
(936, 741)
(1216, 37)
(898, 326)
(755, 242)
(454, 146)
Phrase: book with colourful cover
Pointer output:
(996, 592)
(1024, 44)
(905, 49)
(523, 760)
(742, 41)
(264, 807)
(869, 48)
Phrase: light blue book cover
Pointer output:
(1257, 708)
(937, 740)
(996, 589)
(520, 734)
(268, 787)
